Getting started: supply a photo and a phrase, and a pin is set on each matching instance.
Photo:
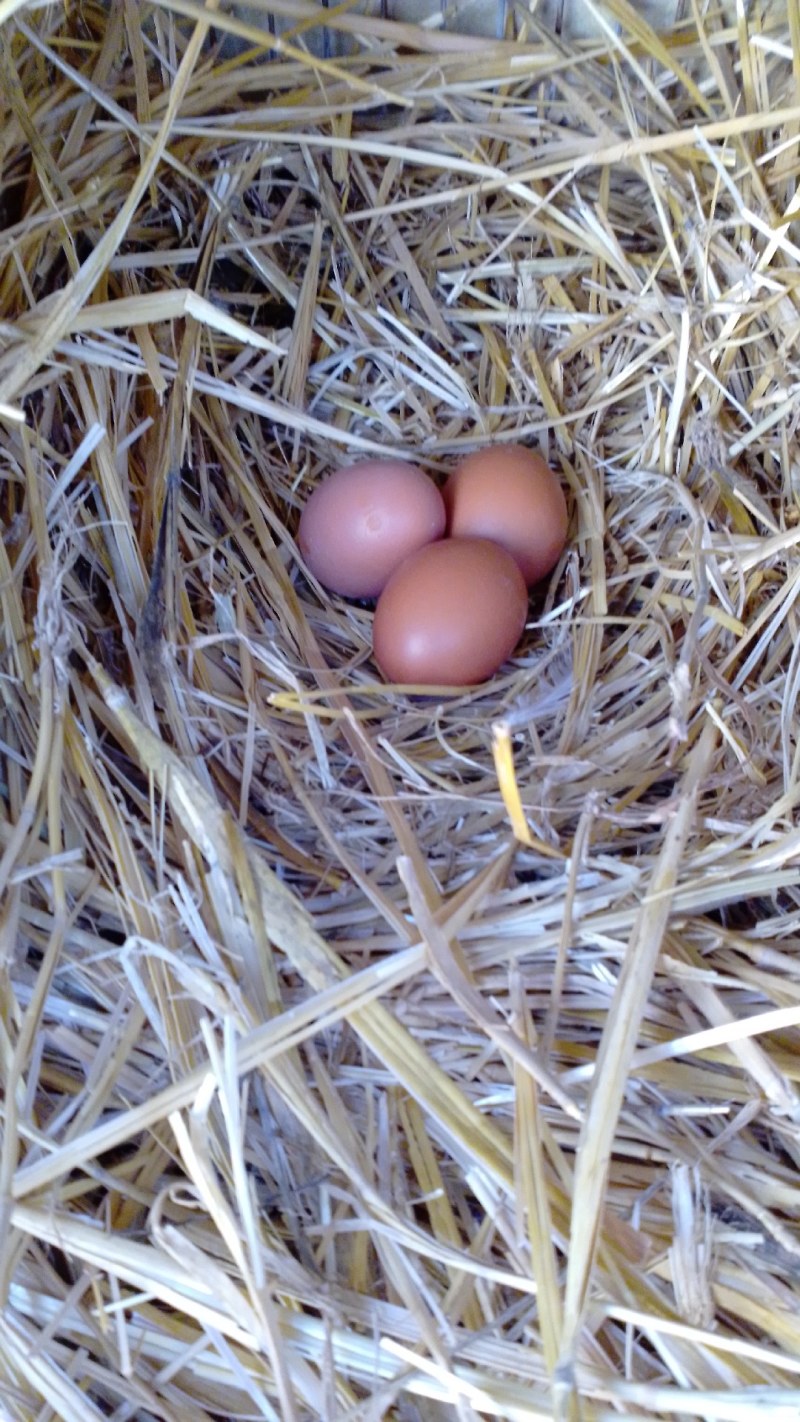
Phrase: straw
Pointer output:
(368, 1050)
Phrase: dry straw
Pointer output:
(367, 1054)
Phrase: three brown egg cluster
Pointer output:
(451, 570)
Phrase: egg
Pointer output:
(509, 494)
(364, 520)
(451, 614)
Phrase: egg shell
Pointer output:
(364, 520)
(509, 494)
(450, 615)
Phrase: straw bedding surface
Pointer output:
(367, 1054)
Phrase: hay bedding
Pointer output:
(368, 1055)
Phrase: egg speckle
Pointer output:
(509, 494)
(360, 524)
(450, 615)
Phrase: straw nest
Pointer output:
(369, 1055)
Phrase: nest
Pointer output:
(368, 1054)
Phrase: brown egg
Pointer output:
(509, 494)
(450, 615)
(360, 524)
